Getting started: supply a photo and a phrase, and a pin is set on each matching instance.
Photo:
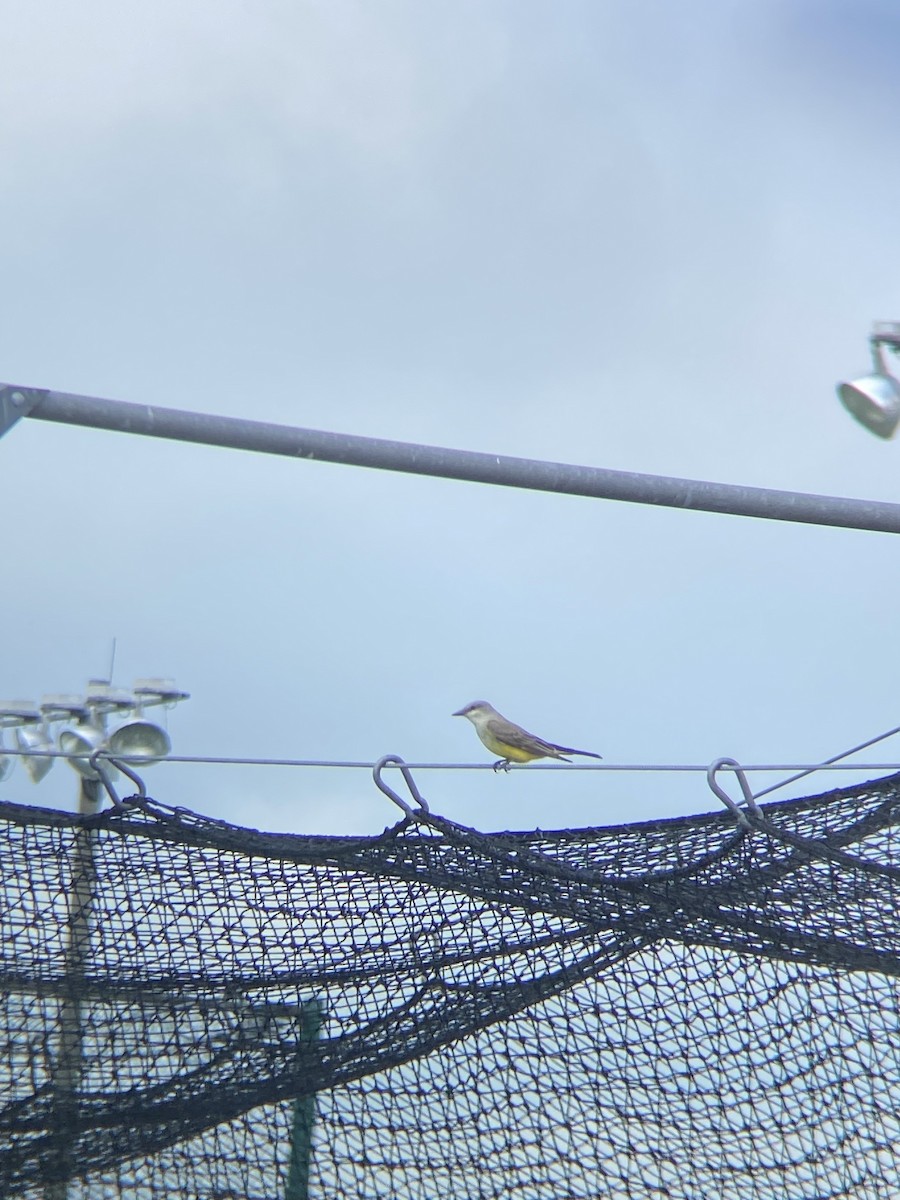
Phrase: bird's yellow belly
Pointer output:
(504, 750)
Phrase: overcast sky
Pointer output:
(645, 236)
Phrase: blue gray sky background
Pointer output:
(644, 236)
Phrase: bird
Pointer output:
(511, 741)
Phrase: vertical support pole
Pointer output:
(67, 1070)
(304, 1114)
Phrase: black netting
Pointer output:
(681, 1009)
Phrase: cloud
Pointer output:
(367, 80)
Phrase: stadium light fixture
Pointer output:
(79, 741)
(87, 733)
(138, 741)
(874, 399)
(31, 737)
(7, 762)
(82, 724)
(13, 713)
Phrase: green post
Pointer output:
(304, 1114)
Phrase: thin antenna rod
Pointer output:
(112, 661)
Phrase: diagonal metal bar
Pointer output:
(411, 458)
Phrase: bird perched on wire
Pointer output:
(512, 742)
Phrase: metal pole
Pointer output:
(304, 1115)
(67, 1070)
(533, 474)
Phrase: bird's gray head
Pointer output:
(477, 706)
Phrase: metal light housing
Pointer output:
(29, 738)
(14, 713)
(80, 741)
(7, 764)
(139, 742)
(874, 400)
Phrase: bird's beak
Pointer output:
(458, 714)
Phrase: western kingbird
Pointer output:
(512, 742)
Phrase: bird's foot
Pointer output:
(502, 764)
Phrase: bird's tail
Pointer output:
(583, 753)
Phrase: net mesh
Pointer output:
(682, 1008)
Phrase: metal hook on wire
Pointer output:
(133, 776)
(749, 798)
(410, 783)
(104, 778)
